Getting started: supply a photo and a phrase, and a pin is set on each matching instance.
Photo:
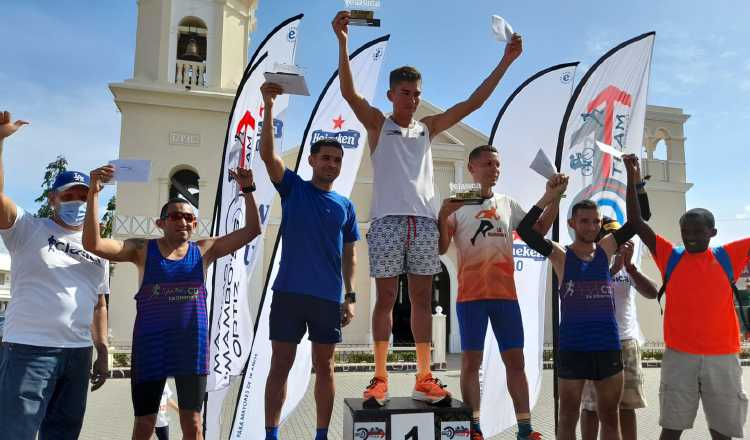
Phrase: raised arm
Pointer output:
(215, 248)
(633, 206)
(7, 207)
(443, 121)
(131, 250)
(548, 248)
(274, 163)
(547, 219)
(369, 116)
(643, 284)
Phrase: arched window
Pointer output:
(184, 185)
(191, 52)
(661, 149)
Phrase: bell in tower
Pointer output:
(191, 51)
(190, 70)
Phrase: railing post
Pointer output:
(438, 338)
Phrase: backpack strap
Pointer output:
(722, 257)
(674, 258)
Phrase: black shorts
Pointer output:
(292, 314)
(590, 365)
(191, 390)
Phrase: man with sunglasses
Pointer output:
(170, 335)
(57, 299)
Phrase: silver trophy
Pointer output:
(363, 12)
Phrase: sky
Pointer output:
(59, 57)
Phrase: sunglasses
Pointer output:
(177, 216)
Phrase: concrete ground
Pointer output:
(110, 414)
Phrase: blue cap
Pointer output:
(69, 179)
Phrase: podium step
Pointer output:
(403, 418)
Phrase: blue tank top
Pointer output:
(170, 335)
(587, 305)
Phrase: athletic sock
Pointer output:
(321, 434)
(475, 422)
(423, 359)
(524, 425)
(381, 359)
(272, 433)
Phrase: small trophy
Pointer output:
(363, 12)
(468, 193)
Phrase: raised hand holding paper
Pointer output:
(290, 78)
(543, 165)
(131, 170)
(608, 149)
(501, 28)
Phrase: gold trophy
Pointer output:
(363, 12)
(468, 193)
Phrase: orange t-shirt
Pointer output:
(700, 317)
(483, 235)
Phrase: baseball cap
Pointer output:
(69, 179)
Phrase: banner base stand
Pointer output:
(403, 418)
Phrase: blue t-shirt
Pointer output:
(315, 224)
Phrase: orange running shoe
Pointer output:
(376, 394)
(429, 389)
(532, 436)
(476, 435)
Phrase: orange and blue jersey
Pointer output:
(483, 235)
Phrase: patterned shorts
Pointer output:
(632, 394)
(399, 244)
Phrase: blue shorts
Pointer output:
(505, 316)
(292, 314)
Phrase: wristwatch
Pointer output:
(351, 297)
(248, 189)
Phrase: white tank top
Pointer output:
(402, 172)
(625, 309)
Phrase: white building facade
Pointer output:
(190, 56)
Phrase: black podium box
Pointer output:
(404, 418)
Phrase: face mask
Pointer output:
(72, 213)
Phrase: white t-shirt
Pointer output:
(625, 309)
(55, 284)
(483, 235)
(402, 172)
(162, 418)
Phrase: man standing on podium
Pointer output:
(403, 235)
(483, 235)
(319, 231)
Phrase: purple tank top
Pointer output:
(170, 335)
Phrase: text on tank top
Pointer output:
(587, 305)
(170, 335)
